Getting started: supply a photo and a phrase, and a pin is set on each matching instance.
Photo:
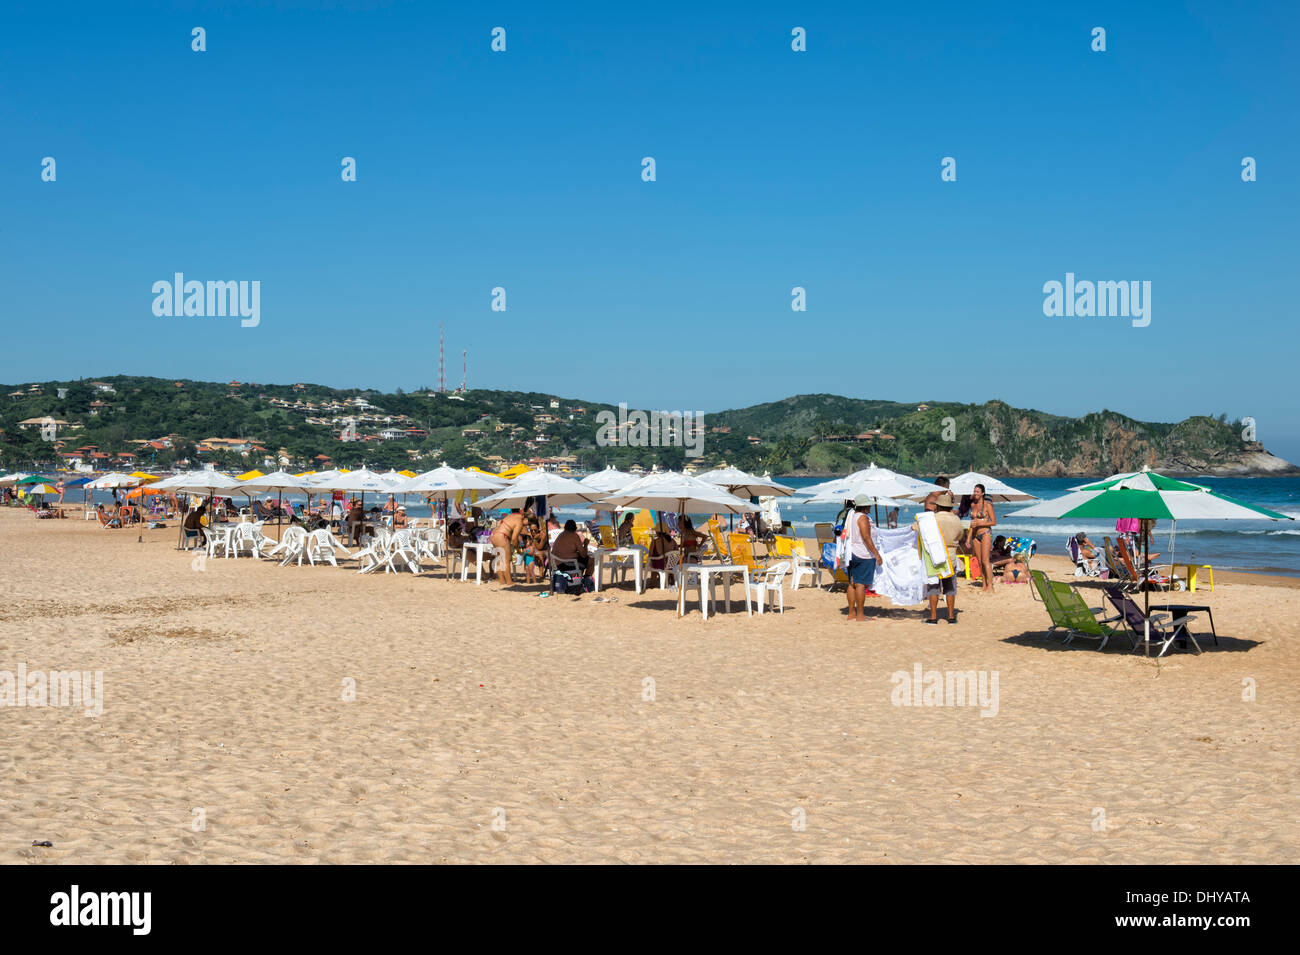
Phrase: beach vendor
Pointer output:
(863, 556)
(937, 534)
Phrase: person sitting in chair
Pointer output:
(661, 545)
(1001, 555)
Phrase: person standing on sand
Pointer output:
(982, 522)
(863, 556)
(504, 538)
(950, 530)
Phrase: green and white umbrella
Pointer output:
(1148, 495)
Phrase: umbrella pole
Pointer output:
(1146, 592)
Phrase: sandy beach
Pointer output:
(496, 726)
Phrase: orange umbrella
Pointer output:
(142, 492)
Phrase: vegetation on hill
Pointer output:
(166, 423)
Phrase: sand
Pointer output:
(497, 726)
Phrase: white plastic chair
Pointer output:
(320, 545)
(295, 544)
(672, 568)
(373, 552)
(688, 579)
(404, 545)
(804, 566)
(248, 536)
(215, 543)
(770, 583)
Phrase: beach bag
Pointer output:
(561, 582)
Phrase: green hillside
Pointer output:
(291, 424)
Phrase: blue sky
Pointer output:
(775, 169)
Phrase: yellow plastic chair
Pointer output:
(783, 546)
(607, 538)
(719, 542)
(742, 552)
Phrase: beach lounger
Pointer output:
(1118, 574)
(741, 550)
(1066, 618)
(1079, 619)
(1155, 580)
(1083, 566)
(719, 541)
(1165, 629)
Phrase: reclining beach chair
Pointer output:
(1083, 566)
(719, 541)
(1117, 572)
(741, 549)
(1068, 610)
(1164, 628)
(1155, 580)
(1079, 618)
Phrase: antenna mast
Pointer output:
(442, 363)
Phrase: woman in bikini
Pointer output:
(982, 520)
(504, 537)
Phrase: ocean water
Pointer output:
(1266, 546)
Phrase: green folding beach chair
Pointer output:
(1069, 612)
(1079, 617)
(1043, 587)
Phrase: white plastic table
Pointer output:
(709, 574)
(478, 561)
(637, 555)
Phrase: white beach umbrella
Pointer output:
(277, 482)
(112, 480)
(994, 490)
(202, 481)
(872, 481)
(557, 490)
(608, 480)
(447, 480)
(442, 482)
(743, 484)
(15, 477)
(680, 493)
